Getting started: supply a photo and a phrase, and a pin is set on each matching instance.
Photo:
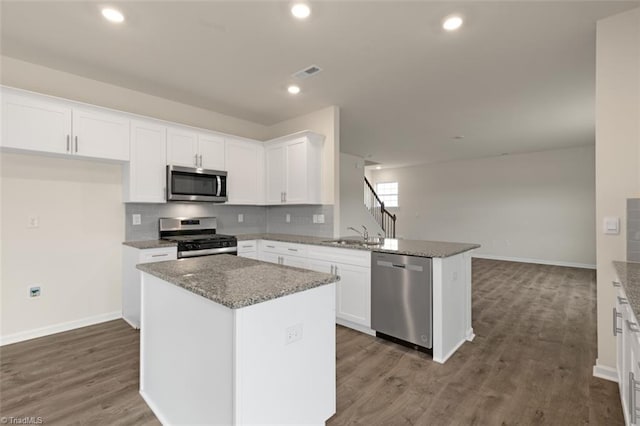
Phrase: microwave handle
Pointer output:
(219, 179)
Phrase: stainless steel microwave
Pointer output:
(195, 184)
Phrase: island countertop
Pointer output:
(236, 282)
(421, 248)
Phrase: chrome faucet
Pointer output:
(364, 235)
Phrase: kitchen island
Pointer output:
(229, 340)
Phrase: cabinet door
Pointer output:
(296, 179)
(244, 162)
(182, 147)
(269, 257)
(275, 170)
(147, 168)
(320, 266)
(35, 124)
(211, 151)
(100, 135)
(354, 294)
(296, 262)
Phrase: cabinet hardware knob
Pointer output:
(632, 326)
(76, 144)
(68, 140)
(622, 301)
(616, 283)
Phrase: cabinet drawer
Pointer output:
(338, 255)
(283, 248)
(158, 255)
(247, 246)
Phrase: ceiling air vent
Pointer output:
(307, 72)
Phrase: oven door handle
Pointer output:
(194, 253)
(219, 191)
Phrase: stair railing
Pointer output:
(374, 204)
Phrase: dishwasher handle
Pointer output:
(406, 267)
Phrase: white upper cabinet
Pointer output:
(182, 147)
(145, 175)
(244, 162)
(211, 151)
(39, 123)
(35, 124)
(99, 134)
(294, 169)
(275, 159)
(188, 148)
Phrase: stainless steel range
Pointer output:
(196, 236)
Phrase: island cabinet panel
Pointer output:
(451, 308)
(268, 363)
(280, 380)
(186, 355)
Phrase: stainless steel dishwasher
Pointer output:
(402, 298)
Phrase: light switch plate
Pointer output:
(287, 218)
(136, 219)
(34, 222)
(320, 218)
(611, 225)
(240, 217)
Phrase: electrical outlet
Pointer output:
(320, 218)
(315, 218)
(34, 291)
(293, 334)
(287, 218)
(136, 219)
(240, 217)
(34, 222)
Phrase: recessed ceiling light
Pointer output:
(293, 89)
(112, 15)
(452, 23)
(301, 10)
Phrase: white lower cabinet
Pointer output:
(131, 277)
(626, 329)
(248, 249)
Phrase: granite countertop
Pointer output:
(150, 244)
(236, 282)
(629, 275)
(390, 245)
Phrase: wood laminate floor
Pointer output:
(530, 363)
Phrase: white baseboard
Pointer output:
(354, 326)
(154, 408)
(538, 261)
(444, 358)
(605, 372)
(470, 335)
(58, 328)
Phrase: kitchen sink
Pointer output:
(352, 242)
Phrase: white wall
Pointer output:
(75, 253)
(528, 206)
(617, 151)
(352, 209)
(326, 122)
(28, 76)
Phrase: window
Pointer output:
(388, 193)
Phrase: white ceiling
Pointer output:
(518, 77)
